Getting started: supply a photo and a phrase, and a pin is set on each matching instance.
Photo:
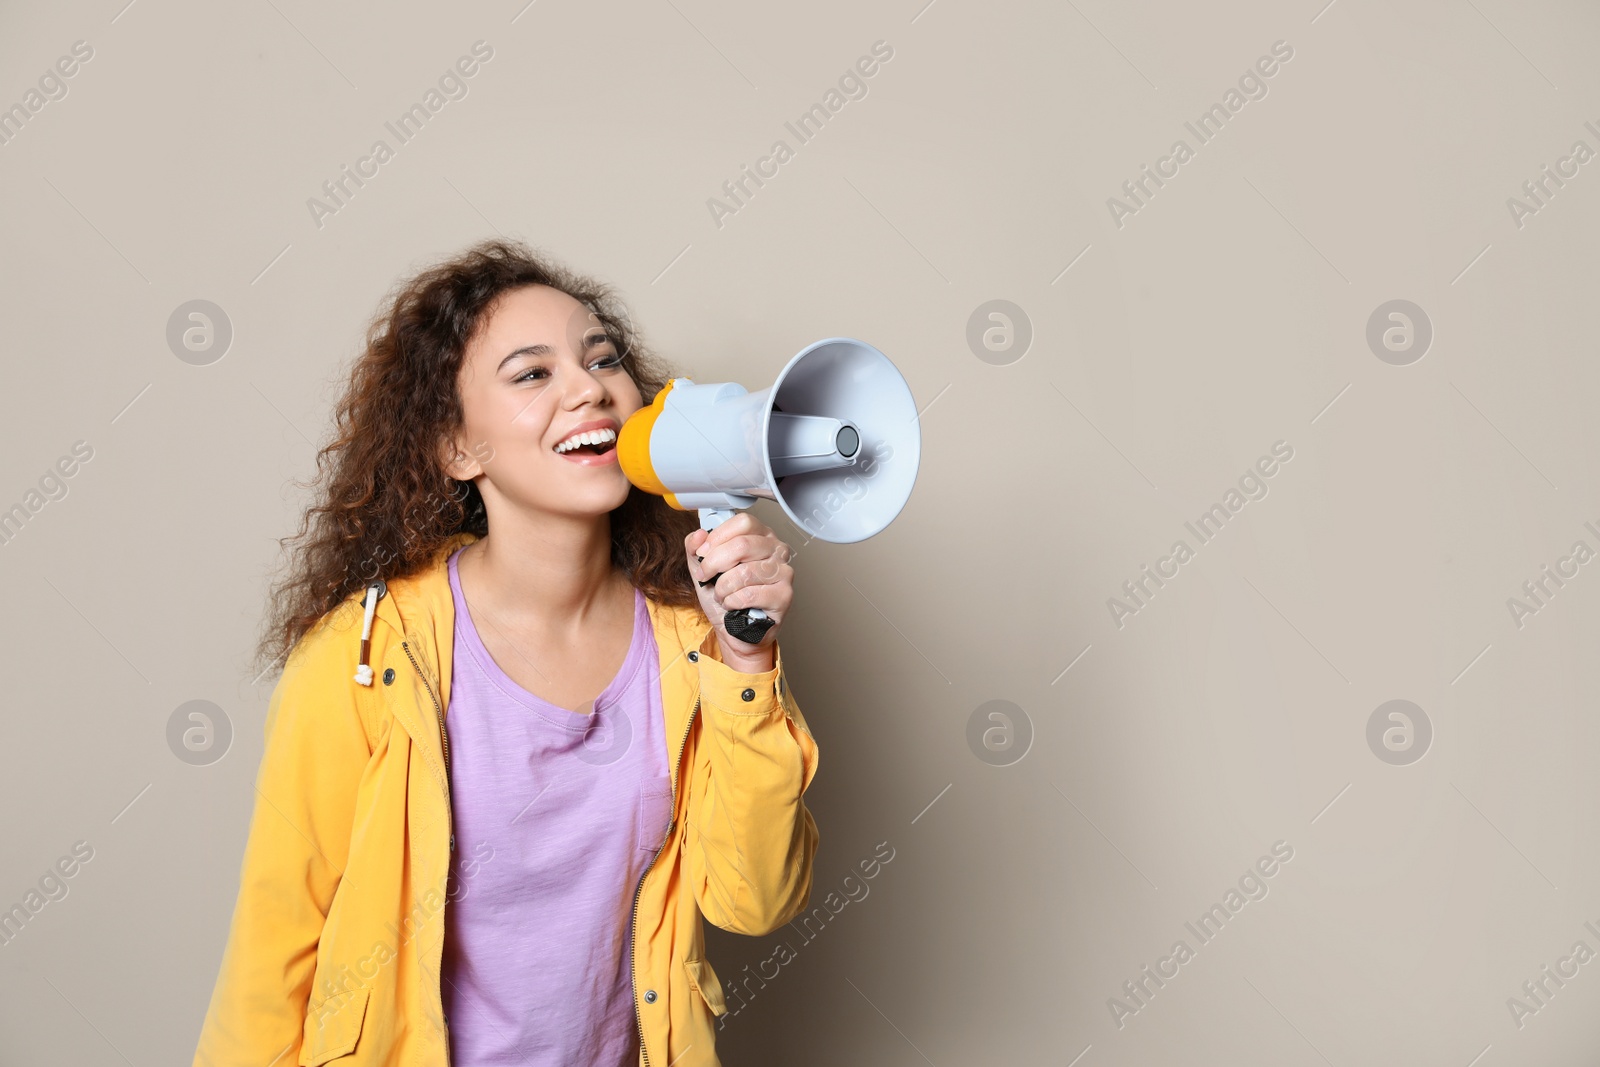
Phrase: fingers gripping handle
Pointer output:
(745, 624)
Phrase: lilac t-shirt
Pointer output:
(557, 814)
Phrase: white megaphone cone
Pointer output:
(835, 441)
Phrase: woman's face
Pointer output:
(540, 367)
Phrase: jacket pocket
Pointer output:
(705, 982)
(333, 1027)
(655, 811)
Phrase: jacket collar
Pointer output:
(419, 608)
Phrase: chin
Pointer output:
(598, 503)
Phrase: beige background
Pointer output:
(1228, 314)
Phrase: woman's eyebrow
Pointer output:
(526, 350)
(590, 341)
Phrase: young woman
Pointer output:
(513, 757)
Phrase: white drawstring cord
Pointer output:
(364, 672)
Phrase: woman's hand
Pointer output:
(754, 573)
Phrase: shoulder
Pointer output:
(334, 638)
(318, 686)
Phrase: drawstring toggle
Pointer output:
(363, 671)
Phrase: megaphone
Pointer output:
(835, 441)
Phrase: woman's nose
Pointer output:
(583, 386)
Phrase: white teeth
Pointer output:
(591, 437)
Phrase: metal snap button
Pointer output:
(749, 694)
(650, 996)
(694, 657)
(388, 676)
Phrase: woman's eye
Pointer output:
(607, 362)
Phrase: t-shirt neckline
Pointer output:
(467, 629)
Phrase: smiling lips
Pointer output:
(601, 439)
(595, 447)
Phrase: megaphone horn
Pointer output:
(839, 408)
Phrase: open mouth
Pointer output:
(593, 443)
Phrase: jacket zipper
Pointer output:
(444, 741)
(633, 926)
(444, 738)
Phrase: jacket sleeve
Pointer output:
(750, 842)
(305, 792)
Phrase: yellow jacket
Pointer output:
(334, 950)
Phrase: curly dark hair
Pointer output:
(384, 505)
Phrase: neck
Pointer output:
(553, 572)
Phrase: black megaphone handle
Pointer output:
(738, 622)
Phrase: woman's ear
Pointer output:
(457, 463)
